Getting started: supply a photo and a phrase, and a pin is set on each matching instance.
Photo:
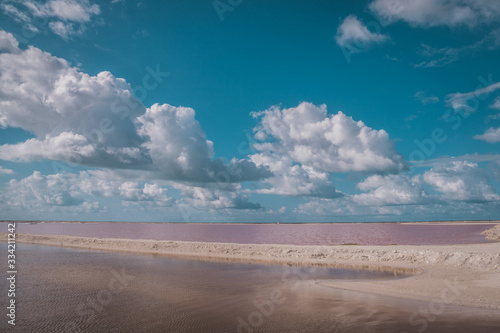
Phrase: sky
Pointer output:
(249, 111)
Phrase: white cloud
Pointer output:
(345, 210)
(302, 146)
(326, 143)
(179, 149)
(66, 10)
(492, 135)
(292, 179)
(65, 30)
(39, 190)
(424, 99)
(463, 185)
(4, 171)
(14, 12)
(108, 184)
(213, 198)
(97, 121)
(443, 56)
(462, 181)
(81, 190)
(73, 148)
(387, 195)
(390, 190)
(132, 191)
(429, 13)
(352, 34)
(496, 104)
(176, 142)
(478, 158)
(460, 101)
(329, 207)
(75, 117)
(469, 102)
(43, 94)
(65, 18)
(8, 43)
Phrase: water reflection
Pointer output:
(68, 290)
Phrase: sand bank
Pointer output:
(492, 234)
(441, 274)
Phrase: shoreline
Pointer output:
(445, 222)
(471, 270)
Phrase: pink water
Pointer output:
(296, 234)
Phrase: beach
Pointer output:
(463, 275)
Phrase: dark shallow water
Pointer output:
(296, 234)
(69, 290)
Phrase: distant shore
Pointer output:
(469, 271)
(238, 223)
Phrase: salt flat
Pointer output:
(448, 274)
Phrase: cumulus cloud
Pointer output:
(107, 184)
(390, 190)
(74, 116)
(179, 148)
(352, 34)
(292, 179)
(43, 94)
(345, 209)
(385, 194)
(38, 189)
(430, 13)
(329, 207)
(463, 186)
(492, 135)
(8, 43)
(303, 145)
(73, 148)
(80, 190)
(327, 143)
(132, 191)
(97, 121)
(214, 198)
(462, 181)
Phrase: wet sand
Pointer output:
(65, 289)
(464, 275)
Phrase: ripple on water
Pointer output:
(65, 290)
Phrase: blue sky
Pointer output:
(380, 110)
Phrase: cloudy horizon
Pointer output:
(251, 112)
